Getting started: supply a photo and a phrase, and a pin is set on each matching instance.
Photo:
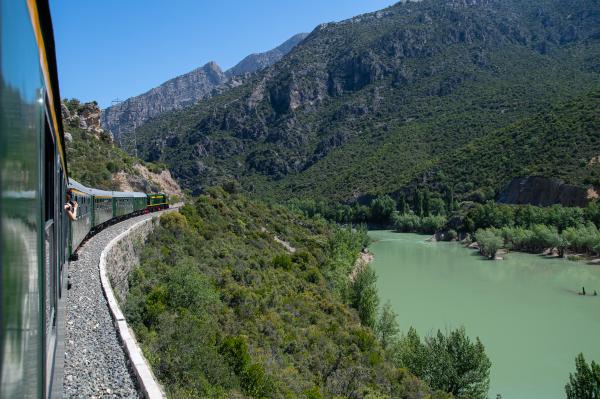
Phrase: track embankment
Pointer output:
(100, 352)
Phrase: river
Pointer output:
(525, 309)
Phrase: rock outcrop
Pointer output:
(543, 191)
(85, 116)
(146, 181)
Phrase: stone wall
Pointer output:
(124, 256)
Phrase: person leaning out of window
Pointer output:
(71, 207)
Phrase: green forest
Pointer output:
(273, 320)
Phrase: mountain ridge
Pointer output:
(258, 61)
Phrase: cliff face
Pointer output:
(123, 118)
(543, 191)
(84, 116)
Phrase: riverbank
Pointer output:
(547, 253)
(364, 258)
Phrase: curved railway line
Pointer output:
(95, 362)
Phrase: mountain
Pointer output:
(386, 101)
(256, 62)
(123, 118)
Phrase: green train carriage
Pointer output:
(98, 208)
(36, 237)
(33, 178)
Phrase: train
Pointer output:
(37, 238)
(100, 208)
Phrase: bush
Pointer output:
(489, 242)
(407, 223)
(432, 224)
(282, 261)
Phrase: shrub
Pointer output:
(283, 261)
(489, 242)
(432, 224)
(407, 223)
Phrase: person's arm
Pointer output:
(71, 211)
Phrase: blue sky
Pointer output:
(112, 49)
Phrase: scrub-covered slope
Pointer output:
(238, 299)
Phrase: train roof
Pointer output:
(103, 193)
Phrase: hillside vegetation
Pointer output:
(95, 161)
(236, 298)
(397, 98)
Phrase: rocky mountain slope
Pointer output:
(123, 118)
(258, 61)
(379, 102)
(95, 161)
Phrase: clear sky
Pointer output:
(108, 49)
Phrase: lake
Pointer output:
(525, 309)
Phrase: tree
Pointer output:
(411, 353)
(585, 383)
(426, 203)
(387, 326)
(402, 205)
(457, 365)
(449, 200)
(489, 242)
(437, 206)
(363, 296)
(382, 208)
(418, 206)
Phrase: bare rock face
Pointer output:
(90, 115)
(125, 117)
(86, 116)
(543, 191)
(147, 181)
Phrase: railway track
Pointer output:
(95, 364)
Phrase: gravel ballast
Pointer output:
(95, 363)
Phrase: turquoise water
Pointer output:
(525, 309)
